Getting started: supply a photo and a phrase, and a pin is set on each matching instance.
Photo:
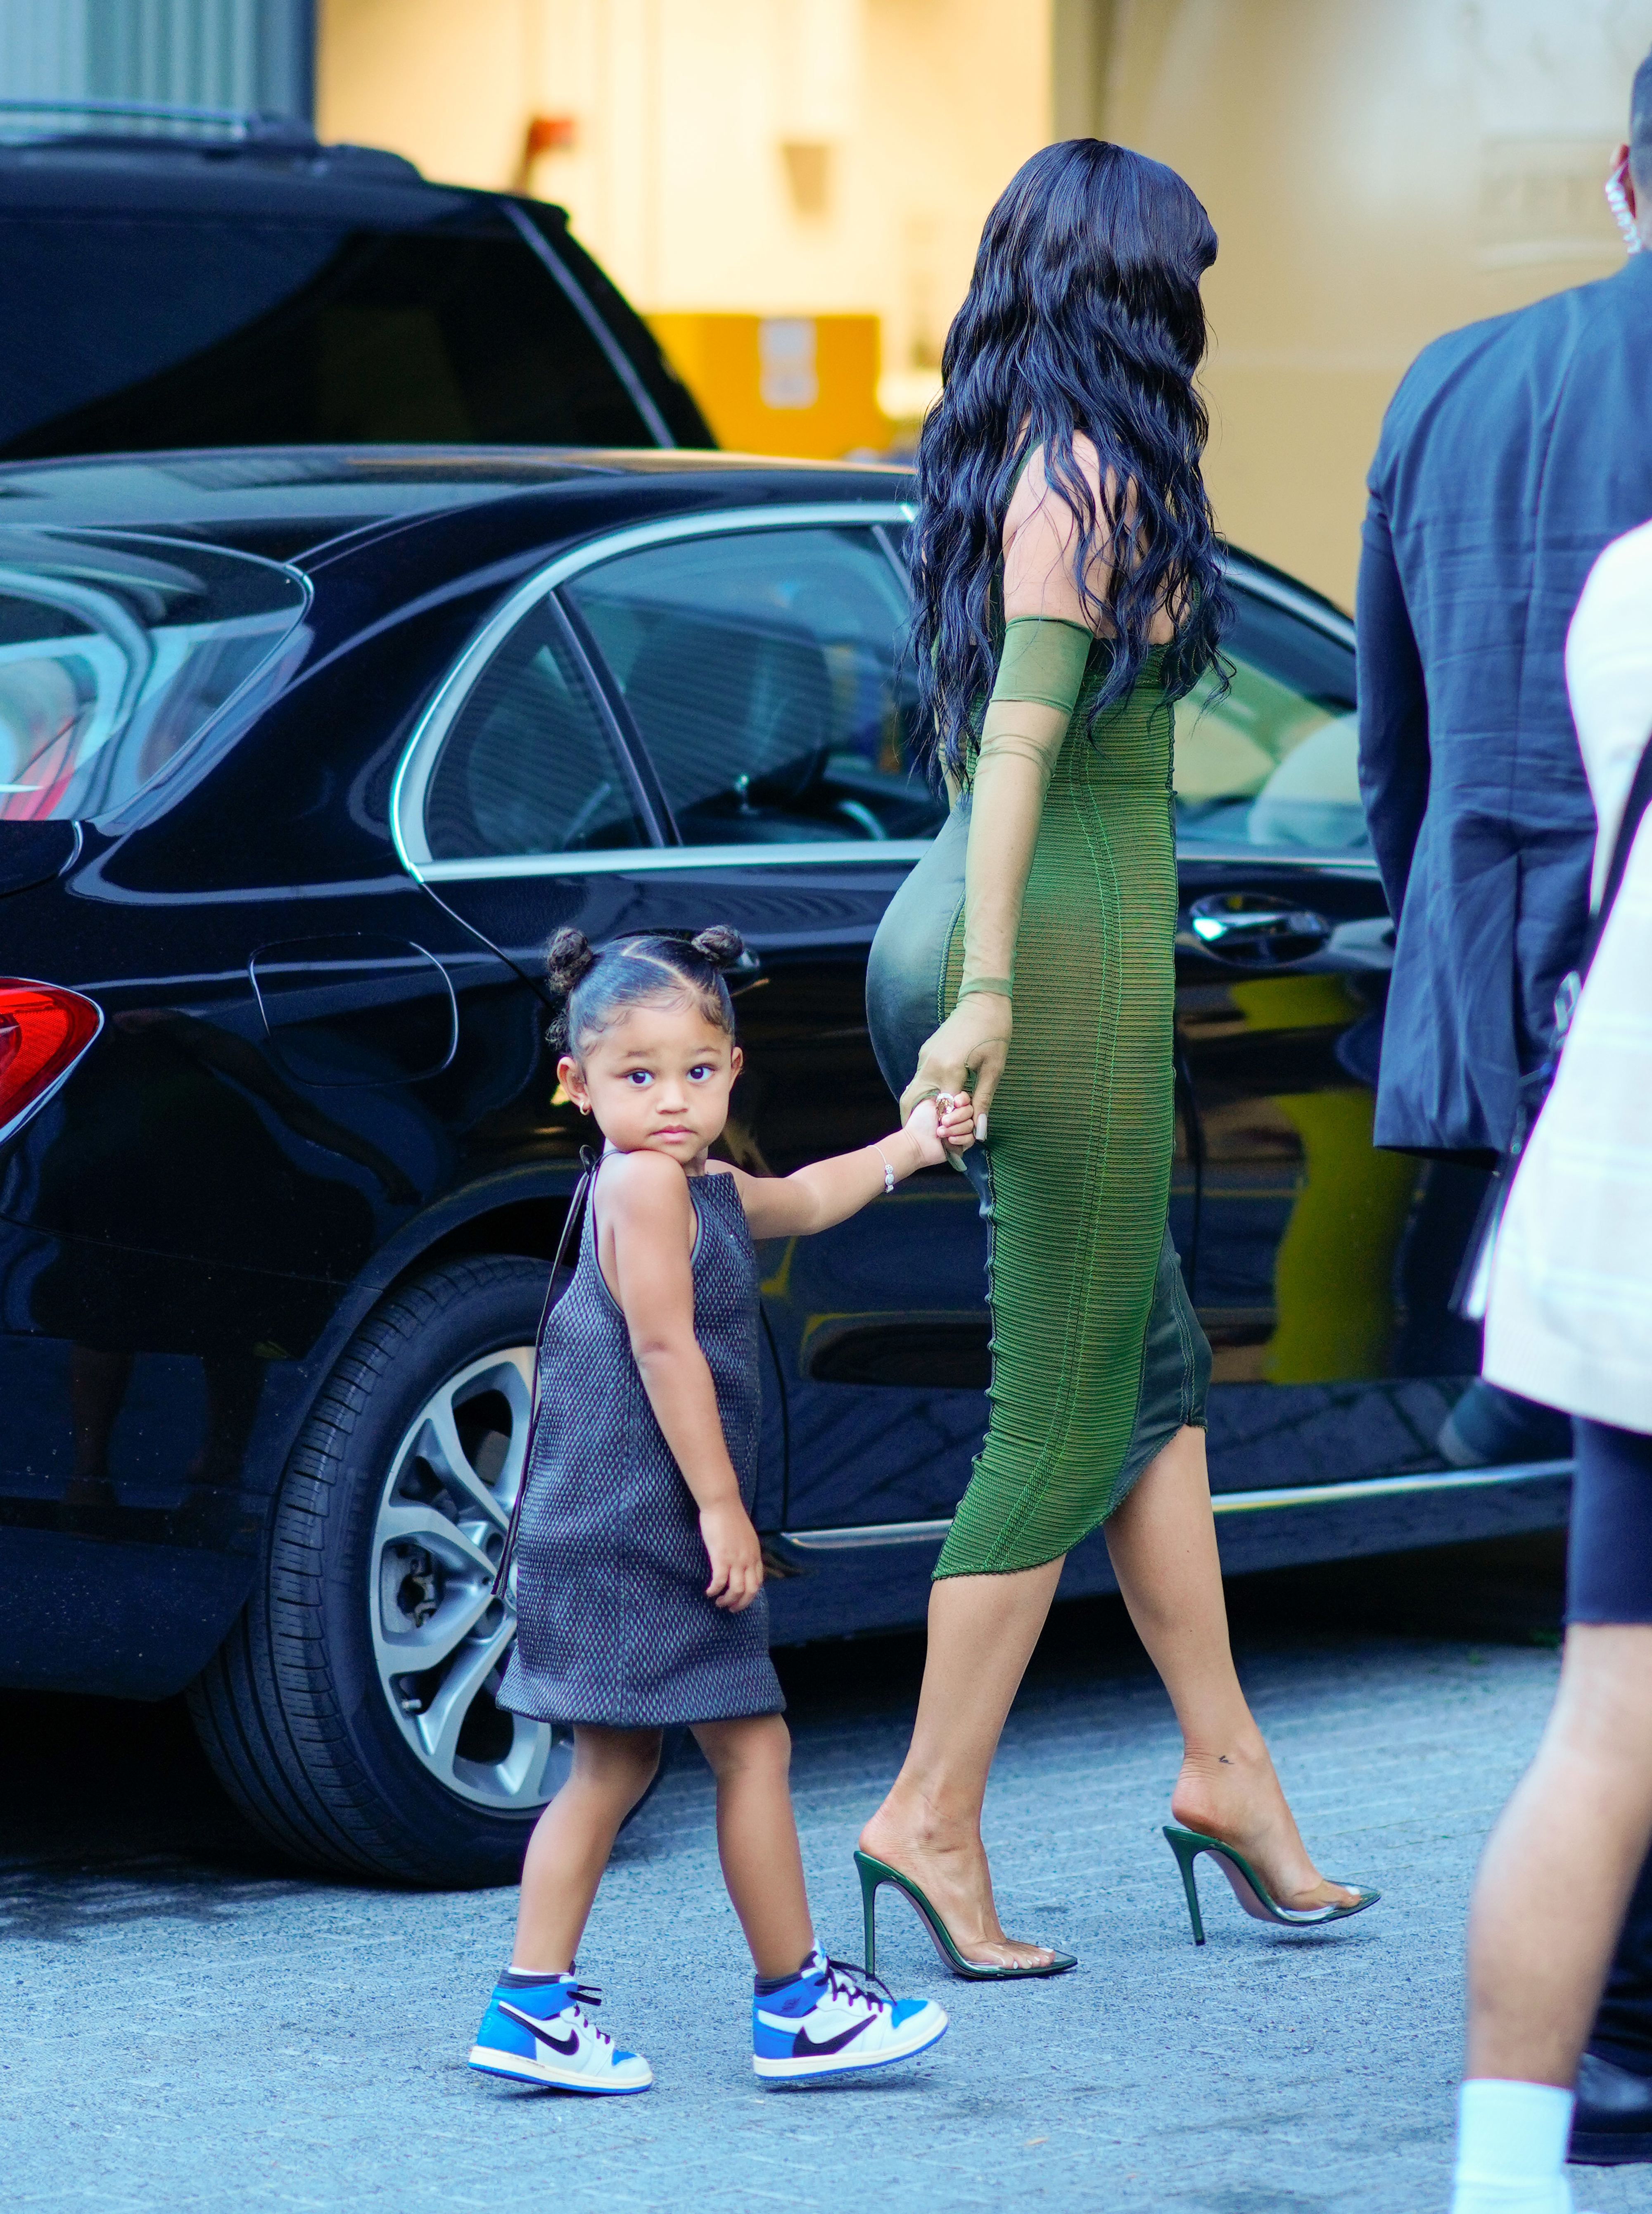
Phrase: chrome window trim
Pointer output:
(1332, 860)
(627, 860)
(874, 1534)
(413, 772)
(618, 360)
(1331, 621)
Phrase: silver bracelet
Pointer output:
(888, 1173)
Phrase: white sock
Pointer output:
(1511, 2149)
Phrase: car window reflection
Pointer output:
(765, 673)
(1273, 761)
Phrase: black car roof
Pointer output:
(281, 176)
(288, 501)
(295, 503)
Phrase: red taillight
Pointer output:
(43, 1031)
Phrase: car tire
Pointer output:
(350, 1711)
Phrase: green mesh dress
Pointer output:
(1096, 1356)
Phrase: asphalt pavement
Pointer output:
(193, 2026)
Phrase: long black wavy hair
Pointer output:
(1083, 314)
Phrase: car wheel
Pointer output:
(352, 1711)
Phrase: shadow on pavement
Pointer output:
(112, 1812)
(1501, 1591)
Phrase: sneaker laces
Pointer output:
(588, 1995)
(847, 1980)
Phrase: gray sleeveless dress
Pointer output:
(614, 1626)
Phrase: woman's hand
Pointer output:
(972, 1042)
(735, 1553)
(941, 1127)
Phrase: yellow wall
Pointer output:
(803, 385)
(1379, 171)
(449, 86)
(679, 179)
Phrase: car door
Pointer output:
(759, 666)
(1321, 1267)
(520, 809)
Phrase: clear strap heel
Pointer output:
(1249, 1889)
(874, 1873)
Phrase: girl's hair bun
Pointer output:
(721, 944)
(569, 956)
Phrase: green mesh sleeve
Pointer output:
(1043, 660)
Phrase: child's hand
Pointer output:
(736, 1555)
(941, 1126)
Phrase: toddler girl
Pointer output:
(639, 1575)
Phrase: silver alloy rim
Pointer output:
(440, 1638)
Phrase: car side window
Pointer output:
(1273, 763)
(293, 333)
(527, 765)
(767, 674)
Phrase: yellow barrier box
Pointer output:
(781, 384)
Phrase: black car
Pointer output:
(172, 279)
(303, 756)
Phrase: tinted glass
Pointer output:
(115, 653)
(1275, 763)
(765, 672)
(127, 334)
(526, 766)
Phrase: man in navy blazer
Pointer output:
(1513, 452)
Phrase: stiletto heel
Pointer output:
(873, 1873)
(1249, 1889)
(867, 1872)
(1185, 1847)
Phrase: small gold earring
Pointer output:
(584, 1110)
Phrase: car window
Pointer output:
(1274, 763)
(116, 651)
(131, 333)
(527, 765)
(766, 672)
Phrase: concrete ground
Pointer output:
(193, 2028)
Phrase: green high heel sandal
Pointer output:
(874, 1873)
(1249, 1889)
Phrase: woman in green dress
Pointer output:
(1069, 591)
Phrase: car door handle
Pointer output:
(1253, 929)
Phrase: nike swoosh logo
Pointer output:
(806, 2044)
(567, 2047)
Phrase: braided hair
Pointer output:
(595, 986)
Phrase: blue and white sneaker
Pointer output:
(824, 2021)
(536, 2031)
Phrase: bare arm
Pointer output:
(650, 1219)
(1021, 737)
(826, 1192)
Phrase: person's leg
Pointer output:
(1558, 1869)
(757, 1838)
(982, 1633)
(811, 2017)
(572, 1841)
(1162, 1545)
(1557, 1874)
(535, 2029)
(1612, 1533)
(1612, 2122)
(234, 1386)
(1623, 2028)
(97, 1385)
